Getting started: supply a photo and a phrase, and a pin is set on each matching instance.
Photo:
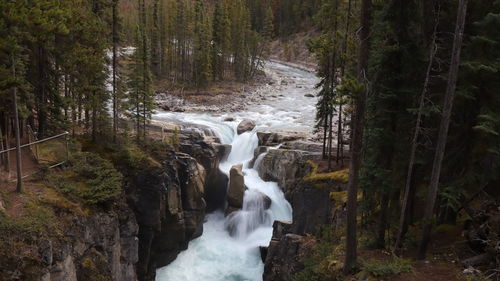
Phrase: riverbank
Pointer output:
(231, 96)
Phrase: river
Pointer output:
(217, 256)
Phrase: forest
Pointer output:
(406, 124)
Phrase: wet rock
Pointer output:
(256, 153)
(309, 95)
(263, 253)
(192, 183)
(209, 155)
(223, 151)
(280, 228)
(236, 189)
(284, 82)
(230, 210)
(258, 201)
(245, 126)
(229, 119)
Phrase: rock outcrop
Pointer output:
(284, 166)
(275, 138)
(209, 155)
(102, 245)
(236, 189)
(316, 199)
(245, 126)
(283, 257)
(170, 208)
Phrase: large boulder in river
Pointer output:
(284, 166)
(245, 126)
(236, 189)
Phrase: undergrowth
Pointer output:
(385, 268)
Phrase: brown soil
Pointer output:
(14, 202)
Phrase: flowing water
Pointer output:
(217, 255)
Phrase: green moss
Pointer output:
(339, 197)
(341, 176)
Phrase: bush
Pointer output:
(91, 179)
(324, 261)
(35, 221)
(384, 268)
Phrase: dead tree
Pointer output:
(414, 144)
(443, 129)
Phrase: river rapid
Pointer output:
(278, 106)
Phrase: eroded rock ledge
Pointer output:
(316, 199)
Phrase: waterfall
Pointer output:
(228, 250)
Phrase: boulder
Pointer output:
(309, 95)
(245, 126)
(275, 138)
(228, 119)
(236, 189)
(304, 146)
(284, 166)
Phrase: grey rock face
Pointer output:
(103, 244)
(284, 166)
(170, 207)
(282, 258)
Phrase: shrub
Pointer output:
(91, 179)
(384, 268)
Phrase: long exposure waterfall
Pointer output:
(219, 256)
(228, 250)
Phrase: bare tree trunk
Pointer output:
(325, 129)
(19, 187)
(7, 145)
(443, 129)
(115, 66)
(2, 156)
(339, 134)
(357, 138)
(414, 143)
(340, 146)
